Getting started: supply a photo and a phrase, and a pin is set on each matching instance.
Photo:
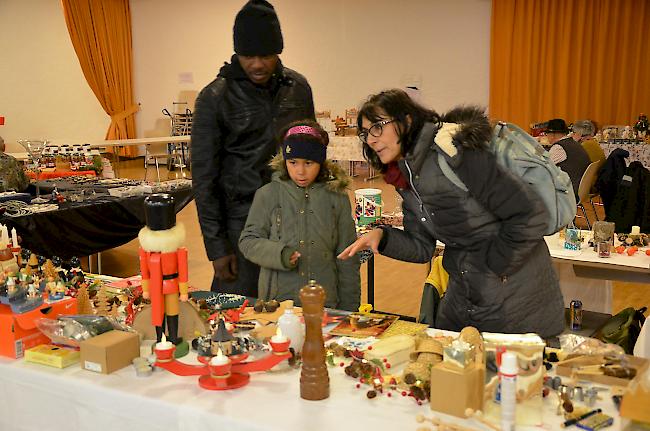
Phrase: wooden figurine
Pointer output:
(83, 300)
(8, 262)
(163, 264)
(103, 307)
(314, 380)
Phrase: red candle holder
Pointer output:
(280, 348)
(233, 375)
(220, 371)
(165, 355)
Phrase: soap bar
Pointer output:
(396, 350)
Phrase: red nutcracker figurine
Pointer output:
(163, 264)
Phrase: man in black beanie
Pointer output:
(236, 120)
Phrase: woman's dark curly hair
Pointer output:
(398, 106)
(323, 174)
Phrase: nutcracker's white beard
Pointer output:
(163, 241)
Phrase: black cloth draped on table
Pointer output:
(631, 205)
(85, 228)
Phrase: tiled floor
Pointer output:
(398, 285)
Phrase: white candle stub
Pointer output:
(5, 235)
(636, 230)
(164, 344)
(279, 337)
(220, 359)
(14, 237)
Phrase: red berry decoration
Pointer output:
(358, 385)
(342, 364)
(385, 360)
(403, 393)
(389, 394)
(369, 348)
(387, 365)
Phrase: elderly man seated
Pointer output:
(12, 175)
(570, 156)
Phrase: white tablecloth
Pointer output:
(638, 152)
(37, 398)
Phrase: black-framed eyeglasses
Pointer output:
(375, 130)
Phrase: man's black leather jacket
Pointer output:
(234, 136)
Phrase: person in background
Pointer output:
(236, 120)
(301, 221)
(569, 155)
(12, 175)
(500, 274)
(584, 132)
(556, 129)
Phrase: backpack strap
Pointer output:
(449, 173)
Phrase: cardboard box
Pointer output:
(18, 332)
(637, 397)
(54, 356)
(109, 351)
(566, 369)
(529, 349)
(454, 389)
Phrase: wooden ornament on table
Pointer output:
(103, 308)
(49, 270)
(314, 379)
(83, 301)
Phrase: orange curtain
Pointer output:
(571, 59)
(100, 31)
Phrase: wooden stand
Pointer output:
(314, 380)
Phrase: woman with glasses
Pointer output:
(501, 277)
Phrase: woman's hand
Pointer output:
(368, 241)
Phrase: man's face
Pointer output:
(259, 68)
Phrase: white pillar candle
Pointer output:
(636, 230)
(220, 359)
(279, 337)
(14, 237)
(164, 344)
(4, 233)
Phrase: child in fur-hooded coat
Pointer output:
(313, 222)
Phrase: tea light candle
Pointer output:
(636, 230)
(279, 337)
(164, 344)
(14, 237)
(220, 359)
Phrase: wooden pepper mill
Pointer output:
(314, 380)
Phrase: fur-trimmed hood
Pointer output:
(465, 127)
(163, 241)
(332, 175)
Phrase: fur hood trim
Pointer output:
(474, 130)
(163, 241)
(334, 177)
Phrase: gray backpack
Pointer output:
(521, 154)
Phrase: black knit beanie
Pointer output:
(257, 30)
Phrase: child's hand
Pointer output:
(294, 258)
(367, 241)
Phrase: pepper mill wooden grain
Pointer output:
(314, 380)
